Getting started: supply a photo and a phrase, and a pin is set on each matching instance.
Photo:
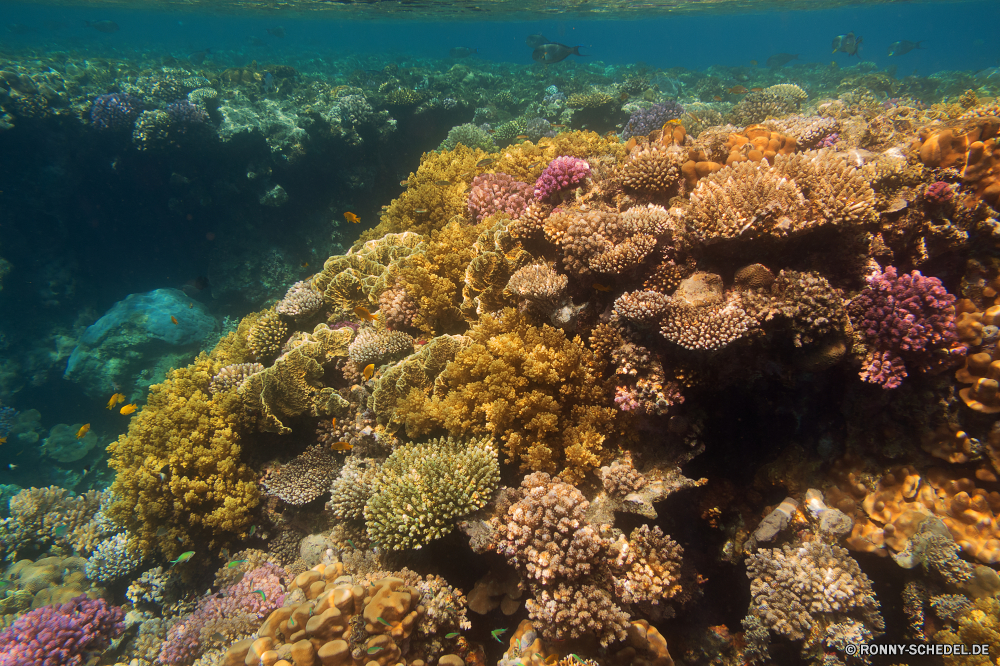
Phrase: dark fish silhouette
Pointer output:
(534, 41)
(103, 26)
(462, 52)
(20, 29)
(277, 32)
(904, 47)
(552, 52)
(198, 57)
(847, 43)
(780, 59)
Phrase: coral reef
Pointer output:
(62, 635)
(497, 193)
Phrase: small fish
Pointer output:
(753, 63)
(388, 624)
(173, 320)
(462, 52)
(351, 217)
(716, 98)
(225, 553)
(84, 429)
(253, 530)
(351, 544)
(235, 563)
(420, 211)
(190, 306)
(534, 41)
(577, 658)
(278, 32)
(183, 557)
(533, 165)
(363, 313)
(373, 650)
(404, 183)
(521, 136)
(304, 264)
(551, 659)
(12, 466)
(164, 472)
(442, 183)
(103, 26)
(496, 633)
(601, 287)
(60, 530)
(738, 90)
(904, 47)
(333, 421)
(756, 89)
(162, 532)
(368, 371)
(780, 60)
(557, 126)
(128, 409)
(483, 163)
(847, 43)
(3, 440)
(552, 53)
(341, 446)
(116, 399)
(453, 634)
(263, 597)
(219, 637)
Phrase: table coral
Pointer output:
(180, 446)
(908, 324)
(529, 387)
(422, 489)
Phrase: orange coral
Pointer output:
(969, 145)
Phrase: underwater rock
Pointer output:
(137, 340)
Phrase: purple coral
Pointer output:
(259, 592)
(644, 121)
(938, 192)
(115, 111)
(562, 173)
(828, 141)
(497, 193)
(62, 634)
(907, 321)
(183, 111)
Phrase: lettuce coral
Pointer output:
(530, 387)
(179, 467)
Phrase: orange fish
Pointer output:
(116, 399)
(716, 98)
(305, 264)
(3, 440)
(521, 136)
(128, 409)
(352, 218)
(173, 320)
(601, 287)
(363, 313)
(369, 371)
(738, 90)
(333, 421)
(84, 429)
(341, 446)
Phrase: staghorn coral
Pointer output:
(113, 559)
(231, 376)
(352, 489)
(907, 323)
(421, 490)
(561, 175)
(374, 345)
(800, 592)
(492, 193)
(266, 336)
(529, 387)
(300, 301)
(180, 445)
(810, 307)
(646, 567)
(304, 478)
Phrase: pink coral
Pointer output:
(497, 193)
(938, 192)
(61, 635)
(562, 173)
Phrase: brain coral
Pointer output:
(530, 387)
(421, 490)
(179, 465)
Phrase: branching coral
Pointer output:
(654, 169)
(421, 490)
(267, 335)
(646, 567)
(61, 635)
(810, 307)
(179, 465)
(300, 301)
(497, 193)
(574, 611)
(374, 345)
(529, 387)
(561, 175)
(53, 515)
(303, 478)
(908, 323)
(231, 376)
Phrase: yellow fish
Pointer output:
(115, 399)
(84, 429)
(341, 446)
(352, 218)
(128, 409)
(3, 440)
(369, 371)
(363, 313)
(601, 287)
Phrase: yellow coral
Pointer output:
(498, 256)
(529, 387)
(358, 277)
(979, 625)
(179, 466)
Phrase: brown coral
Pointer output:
(267, 335)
